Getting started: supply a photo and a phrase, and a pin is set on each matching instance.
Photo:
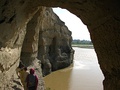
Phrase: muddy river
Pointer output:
(83, 74)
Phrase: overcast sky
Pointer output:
(74, 24)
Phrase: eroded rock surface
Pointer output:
(55, 51)
(24, 28)
(102, 18)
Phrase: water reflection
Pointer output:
(84, 74)
(78, 65)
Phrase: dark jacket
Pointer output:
(32, 72)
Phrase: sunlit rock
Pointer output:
(54, 42)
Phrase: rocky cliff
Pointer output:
(33, 39)
(55, 51)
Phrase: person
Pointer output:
(32, 80)
(22, 74)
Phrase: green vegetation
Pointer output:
(82, 43)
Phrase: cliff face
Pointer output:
(33, 37)
(55, 39)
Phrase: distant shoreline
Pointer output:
(83, 46)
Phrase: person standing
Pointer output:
(22, 73)
(32, 80)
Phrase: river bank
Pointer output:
(89, 46)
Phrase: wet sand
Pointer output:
(84, 74)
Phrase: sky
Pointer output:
(74, 24)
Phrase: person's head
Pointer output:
(32, 71)
(25, 68)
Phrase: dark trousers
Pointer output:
(32, 88)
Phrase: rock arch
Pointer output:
(101, 17)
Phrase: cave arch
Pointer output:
(101, 17)
(102, 20)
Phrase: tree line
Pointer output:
(78, 41)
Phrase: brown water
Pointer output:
(84, 74)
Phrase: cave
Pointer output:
(102, 19)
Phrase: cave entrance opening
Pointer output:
(73, 23)
(85, 67)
